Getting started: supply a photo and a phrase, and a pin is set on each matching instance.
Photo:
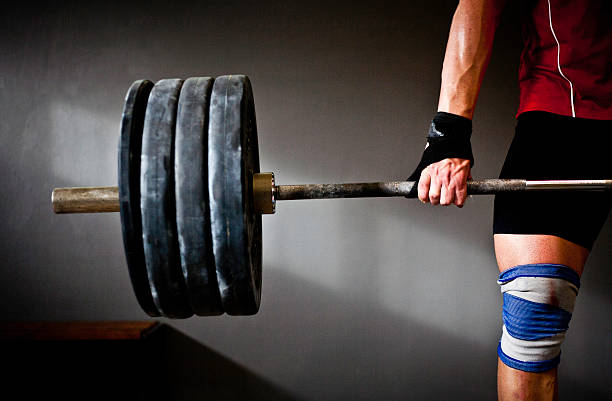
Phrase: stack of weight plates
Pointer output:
(187, 154)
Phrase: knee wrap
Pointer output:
(538, 304)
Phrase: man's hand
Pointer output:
(444, 182)
(446, 162)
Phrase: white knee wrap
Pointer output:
(538, 304)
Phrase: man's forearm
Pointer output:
(467, 54)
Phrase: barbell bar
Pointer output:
(191, 195)
(266, 193)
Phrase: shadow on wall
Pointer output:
(194, 371)
(336, 345)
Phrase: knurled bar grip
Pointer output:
(385, 189)
(106, 199)
(405, 188)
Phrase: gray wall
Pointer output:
(362, 299)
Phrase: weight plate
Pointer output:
(130, 142)
(233, 158)
(157, 201)
(192, 209)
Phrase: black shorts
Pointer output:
(549, 146)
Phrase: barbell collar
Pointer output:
(264, 193)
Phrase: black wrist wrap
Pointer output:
(449, 137)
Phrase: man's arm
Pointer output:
(467, 55)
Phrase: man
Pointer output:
(564, 131)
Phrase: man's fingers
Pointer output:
(460, 195)
(444, 182)
(447, 196)
(460, 188)
(423, 187)
(435, 187)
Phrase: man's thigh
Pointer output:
(522, 249)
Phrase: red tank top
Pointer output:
(566, 64)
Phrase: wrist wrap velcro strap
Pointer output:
(449, 137)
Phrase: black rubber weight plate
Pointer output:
(157, 202)
(192, 209)
(233, 158)
(130, 142)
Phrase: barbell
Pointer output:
(191, 195)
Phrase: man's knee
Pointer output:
(538, 304)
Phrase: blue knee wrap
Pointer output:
(538, 304)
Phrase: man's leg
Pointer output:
(515, 250)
